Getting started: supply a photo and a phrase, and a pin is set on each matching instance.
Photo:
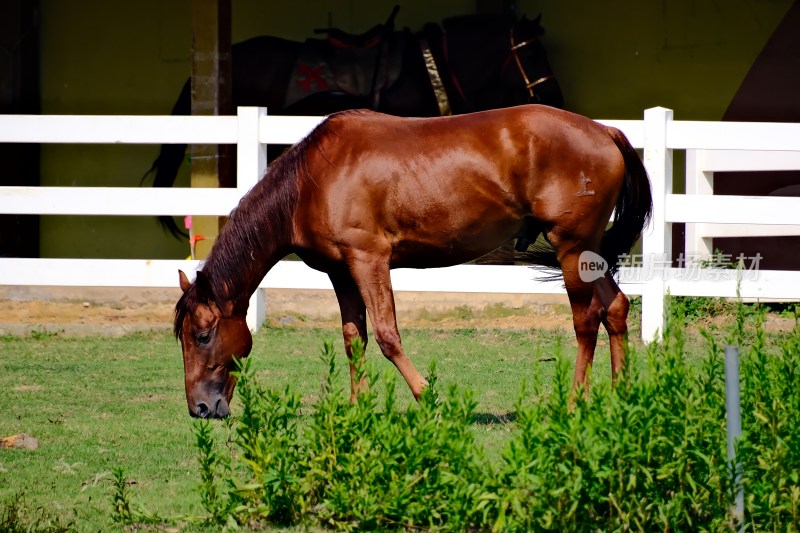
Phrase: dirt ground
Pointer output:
(92, 311)
(86, 311)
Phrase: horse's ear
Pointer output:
(203, 287)
(183, 280)
(538, 22)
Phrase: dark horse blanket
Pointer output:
(347, 64)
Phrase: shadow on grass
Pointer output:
(488, 419)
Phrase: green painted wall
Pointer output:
(613, 59)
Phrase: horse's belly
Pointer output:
(431, 246)
(408, 254)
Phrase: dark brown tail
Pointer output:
(634, 205)
(170, 157)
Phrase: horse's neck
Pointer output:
(266, 266)
(240, 267)
(259, 231)
(260, 262)
(475, 69)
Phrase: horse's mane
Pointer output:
(255, 231)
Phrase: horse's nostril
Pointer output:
(201, 410)
(221, 410)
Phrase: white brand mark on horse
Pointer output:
(585, 191)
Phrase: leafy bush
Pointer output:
(770, 448)
(648, 453)
(353, 466)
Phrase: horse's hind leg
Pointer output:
(354, 323)
(586, 315)
(592, 303)
(614, 305)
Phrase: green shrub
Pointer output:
(355, 466)
(648, 453)
(770, 448)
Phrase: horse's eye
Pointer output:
(203, 337)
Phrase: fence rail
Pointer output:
(716, 146)
(701, 169)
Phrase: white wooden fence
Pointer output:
(710, 147)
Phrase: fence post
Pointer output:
(698, 181)
(734, 425)
(251, 163)
(657, 238)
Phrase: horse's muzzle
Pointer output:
(220, 409)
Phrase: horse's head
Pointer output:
(498, 61)
(532, 78)
(213, 334)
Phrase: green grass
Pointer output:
(97, 404)
(491, 311)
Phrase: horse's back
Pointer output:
(515, 151)
(521, 142)
(435, 191)
(260, 67)
(531, 119)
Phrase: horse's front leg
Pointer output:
(371, 274)
(354, 324)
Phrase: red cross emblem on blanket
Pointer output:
(310, 76)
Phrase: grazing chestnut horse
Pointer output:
(367, 192)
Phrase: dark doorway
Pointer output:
(769, 93)
(19, 94)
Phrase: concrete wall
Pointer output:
(613, 59)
